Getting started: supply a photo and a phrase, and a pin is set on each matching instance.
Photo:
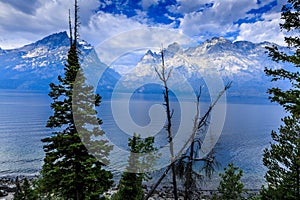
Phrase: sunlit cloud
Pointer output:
(25, 22)
(260, 31)
(22, 26)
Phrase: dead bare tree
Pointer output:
(164, 76)
(188, 174)
(199, 123)
(185, 163)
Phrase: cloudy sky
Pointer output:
(23, 22)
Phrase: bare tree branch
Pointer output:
(164, 79)
(199, 123)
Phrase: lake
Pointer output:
(23, 116)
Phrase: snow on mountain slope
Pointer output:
(36, 65)
(241, 62)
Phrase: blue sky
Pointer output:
(23, 22)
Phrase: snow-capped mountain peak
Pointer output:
(216, 40)
(36, 65)
(242, 62)
(53, 41)
(174, 48)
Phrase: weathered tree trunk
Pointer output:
(188, 178)
(198, 124)
(164, 79)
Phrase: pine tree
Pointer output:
(283, 157)
(282, 161)
(230, 185)
(130, 185)
(289, 99)
(25, 191)
(70, 171)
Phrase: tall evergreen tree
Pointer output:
(230, 185)
(70, 170)
(25, 192)
(130, 185)
(283, 162)
(289, 99)
(283, 157)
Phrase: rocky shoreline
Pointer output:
(7, 188)
(165, 191)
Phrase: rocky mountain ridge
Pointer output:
(34, 66)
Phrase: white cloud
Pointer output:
(52, 17)
(188, 6)
(220, 19)
(87, 9)
(115, 35)
(260, 31)
(147, 3)
(216, 20)
(21, 25)
(28, 6)
(18, 27)
(105, 25)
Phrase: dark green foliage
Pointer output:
(70, 171)
(25, 191)
(282, 158)
(230, 185)
(289, 99)
(130, 185)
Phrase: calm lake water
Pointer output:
(23, 116)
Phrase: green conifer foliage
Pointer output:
(231, 186)
(283, 157)
(70, 171)
(289, 98)
(130, 185)
(25, 191)
(282, 161)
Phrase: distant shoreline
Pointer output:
(8, 185)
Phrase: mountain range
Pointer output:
(34, 66)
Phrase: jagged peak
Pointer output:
(62, 34)
(54, 38)
(266, 43)
(218, 40)
(149, 52)
(174, 47)
(149, 55)
(243, 45)
(242, 41)
(52, 41)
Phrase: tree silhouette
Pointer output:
(230, 185)
(283, 157)
(70, 171)
(130, 185)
